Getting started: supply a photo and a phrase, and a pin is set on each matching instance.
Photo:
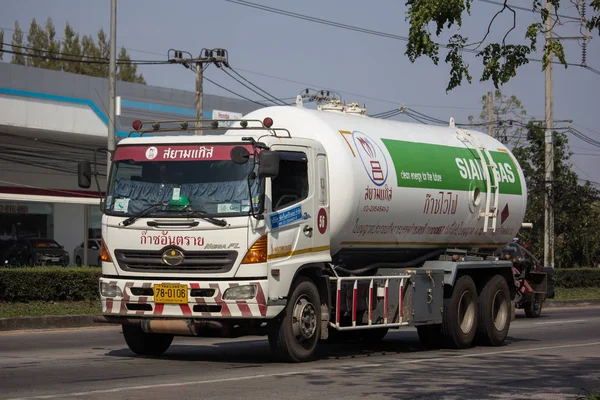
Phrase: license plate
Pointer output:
(172, 293)
(54, 259)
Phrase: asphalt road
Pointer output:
(553, 357)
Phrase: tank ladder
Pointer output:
(490, 169)
(390, 320)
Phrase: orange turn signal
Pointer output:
(104, 254)
(257, 252)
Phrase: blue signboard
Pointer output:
(285, 217)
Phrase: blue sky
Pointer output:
(285, 55)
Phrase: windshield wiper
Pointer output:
(188, 213)
(142, 213)
(202, 215)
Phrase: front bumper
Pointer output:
(138, 300)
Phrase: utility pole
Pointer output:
(215, 56)
(549, 153)
(199, 95)
(112, 83)
(490, 110)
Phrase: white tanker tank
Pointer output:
(400, 190)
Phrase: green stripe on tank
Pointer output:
(435, 166)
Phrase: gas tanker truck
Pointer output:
(304, 225)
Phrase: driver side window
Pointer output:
(291, 185)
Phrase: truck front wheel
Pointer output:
(295, 336)
(146, 344)
(459, 324)
(494, 312)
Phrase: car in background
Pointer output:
(34, 252)
(93, 253)
(536, 282)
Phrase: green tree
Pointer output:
(37, 43)
(53, 49)
(500, 59)
(126, 71)
(75, 54)
(576, 219)
(509, 115)
(91, 54)
(17, 46)
(104, 50)
(71, 49)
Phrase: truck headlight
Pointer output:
(110, 290)
(245, 292)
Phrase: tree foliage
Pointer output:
(17, 46)
(74, 53)
(509, 118)
(576, 205)
(500, 60)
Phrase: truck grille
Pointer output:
(194, 261)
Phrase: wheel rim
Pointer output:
(466, 312)
(499, 310)
(304, 323)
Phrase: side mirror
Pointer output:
(84, 174)
(268, 164)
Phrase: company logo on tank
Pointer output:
(372, 157)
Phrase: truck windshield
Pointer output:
(183, 178)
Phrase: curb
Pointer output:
(46, 322)
(79, 321)
(571, 303)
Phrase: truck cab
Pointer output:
(196, 227)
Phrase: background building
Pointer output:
(50, 120)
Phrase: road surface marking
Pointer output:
(565, 321)
(309, 371)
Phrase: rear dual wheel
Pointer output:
(494, 312)
(459, 323)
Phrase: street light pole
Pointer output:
(112, 83)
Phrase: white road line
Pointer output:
(309, 371)
(565, 321)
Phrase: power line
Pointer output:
(501, 4)
(84, 61)
(234, 93)
(354, 28)
(268, 97)
(259, 88)
(61, 53)
(62, 38)
(327, 22)
(581, 136)
(74, 57)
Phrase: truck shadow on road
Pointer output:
(257, 352)
(512, 376)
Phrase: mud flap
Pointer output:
(513, 314)
(324, 321)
